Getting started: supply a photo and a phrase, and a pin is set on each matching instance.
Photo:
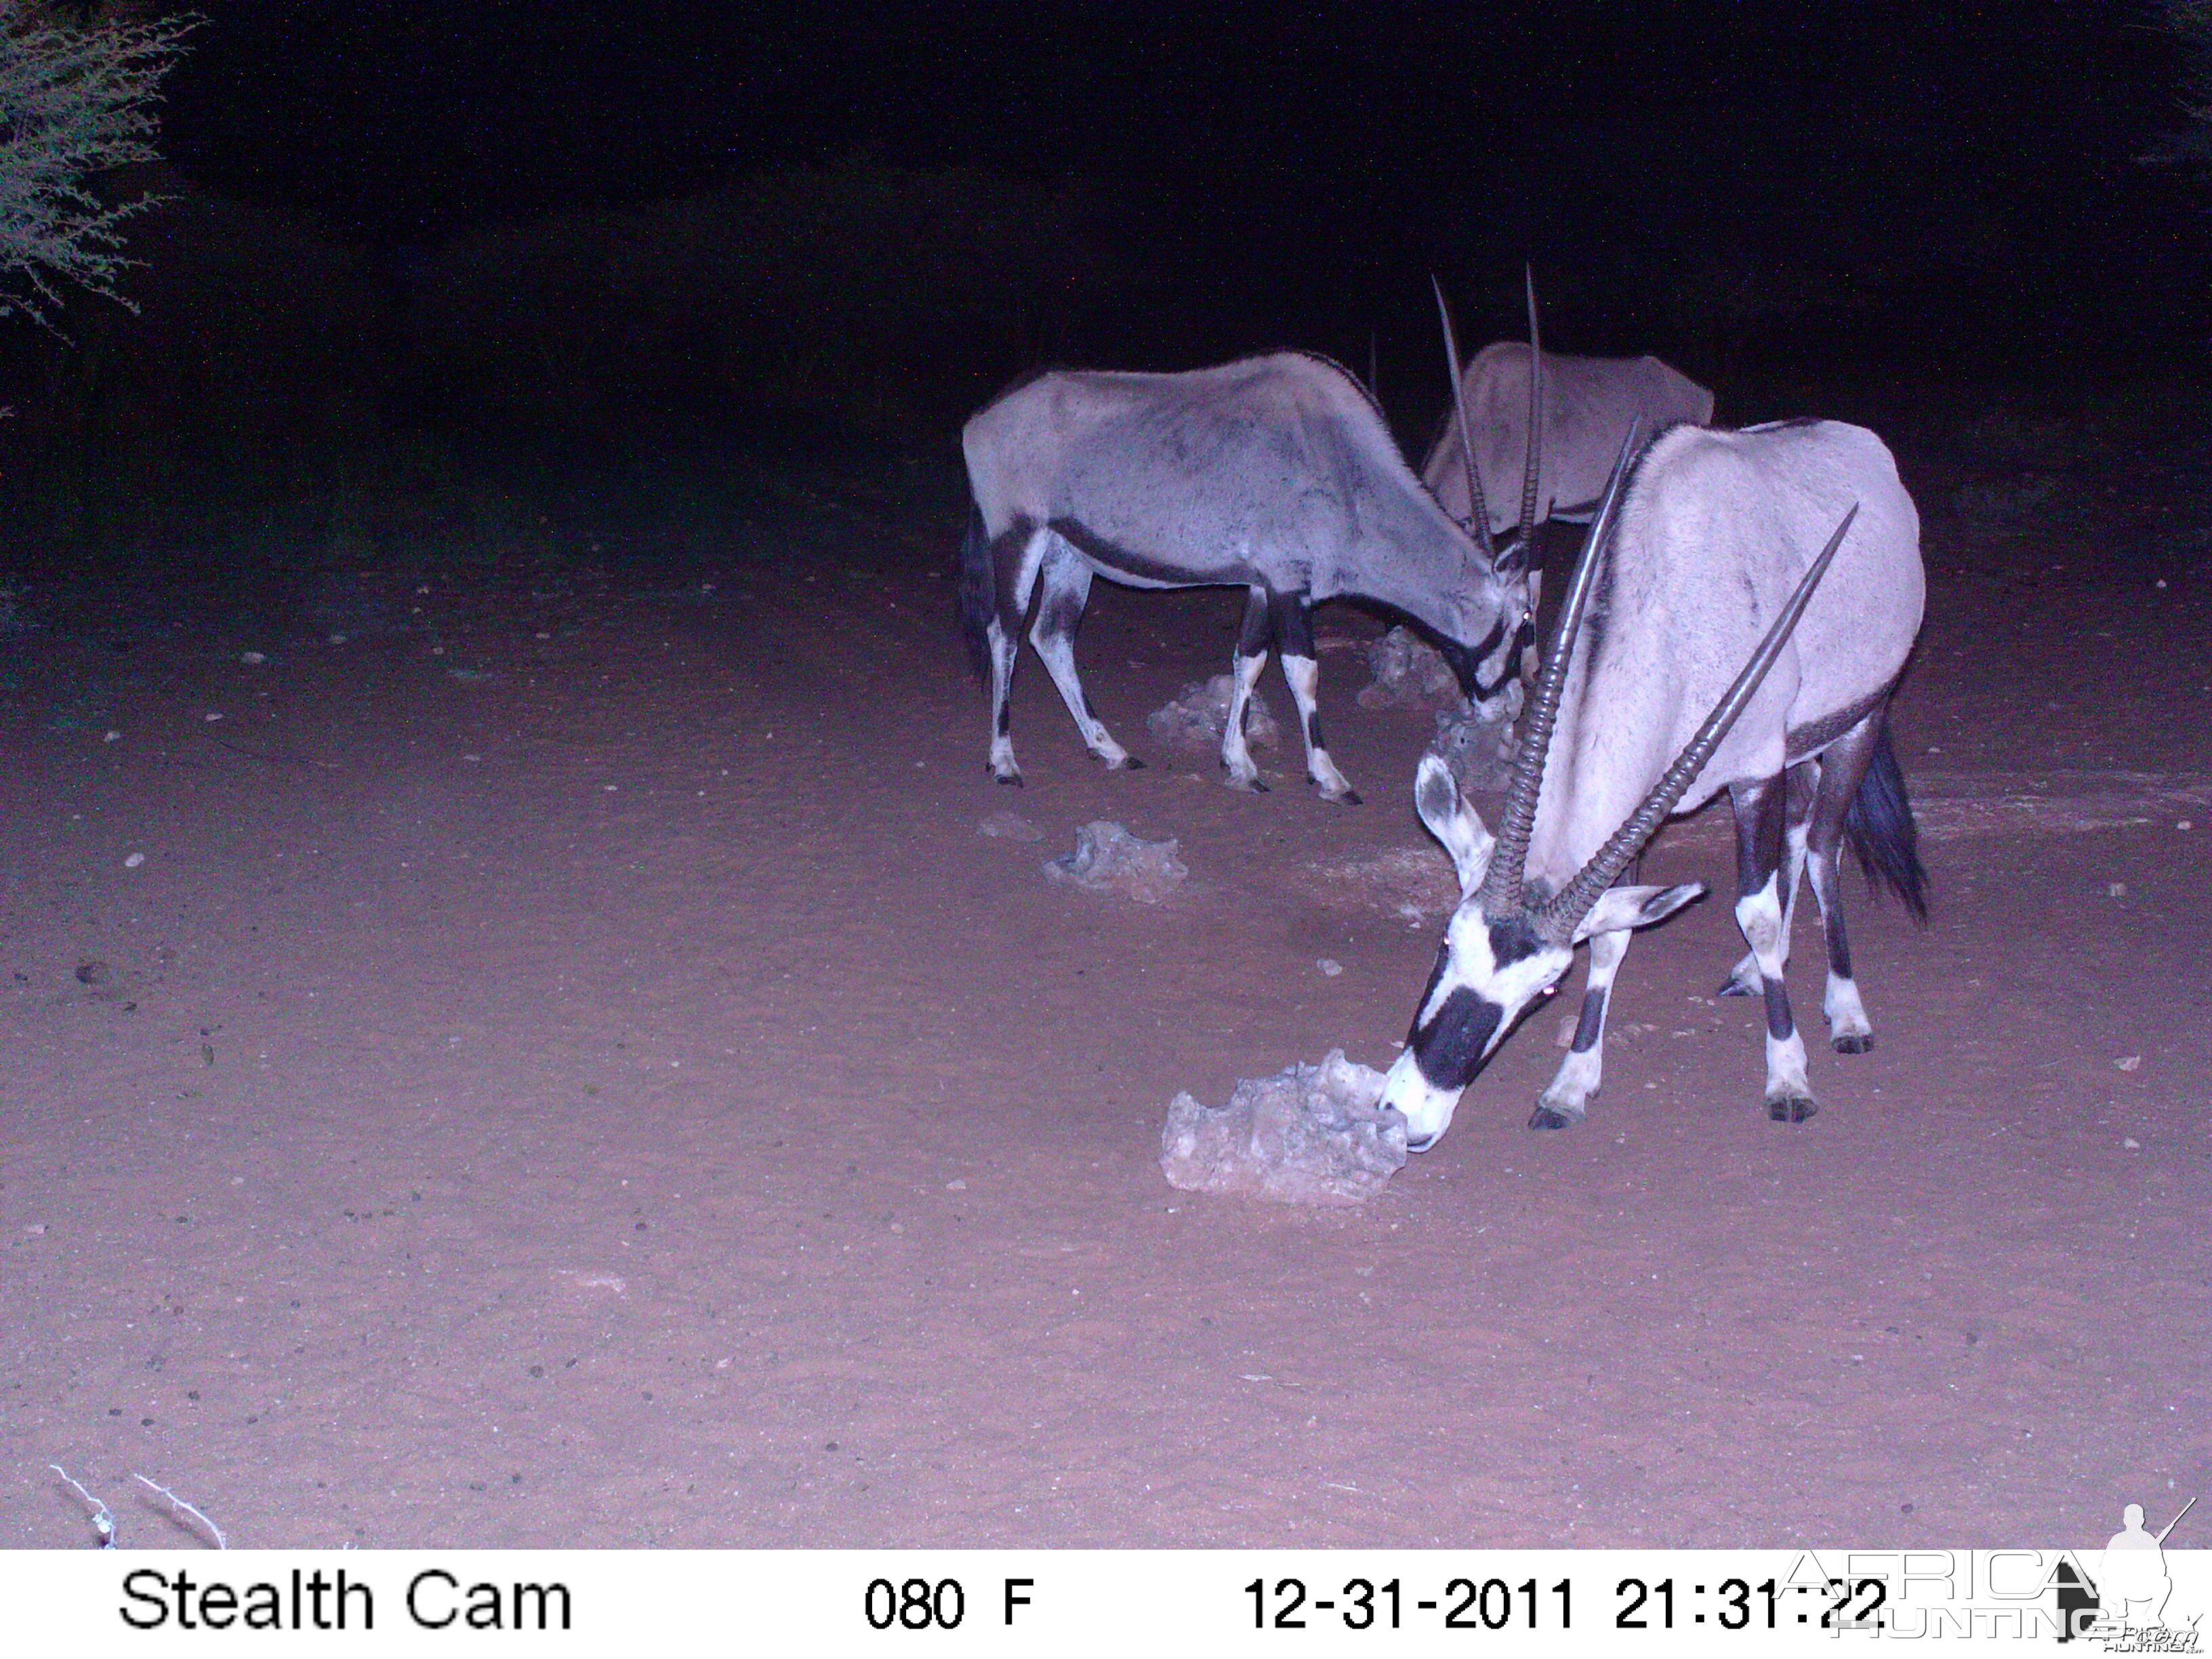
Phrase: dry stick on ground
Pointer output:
(221, 1542)
(103, 1518)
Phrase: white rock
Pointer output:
(1108, 859)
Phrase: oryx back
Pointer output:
(1589, 403)
(1716, 528)
(1237, 474)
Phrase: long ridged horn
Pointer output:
(1502, 887)
(1535, 445)
(1559, 919)
(1477, 510)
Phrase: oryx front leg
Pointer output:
(1015, 555)
(1065, 581)
(1566, 1102)
(1253, 636)
(1302, 673)
(1760, 809)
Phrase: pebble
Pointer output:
(2130, 1063)
(1329, 967)
(252, 659)
(134, 861)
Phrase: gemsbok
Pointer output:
(1276, 474)
(1589, 405)
(1692, 577)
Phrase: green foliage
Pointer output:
(75, 104)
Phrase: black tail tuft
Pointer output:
(974, 594)
(1878, 826)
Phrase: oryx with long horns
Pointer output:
(1277, 474)
(1676, 673)
(1588, 404)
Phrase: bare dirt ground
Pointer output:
(568, 1070)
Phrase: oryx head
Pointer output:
(1506, 945)
(1485, 669)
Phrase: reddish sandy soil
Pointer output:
(611, 1095)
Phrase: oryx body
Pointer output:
(1276, 474)
(1588, 404)
(1713, 541)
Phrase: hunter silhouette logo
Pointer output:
(2124, 1607)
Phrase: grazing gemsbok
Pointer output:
(1588, 404)
(1276, 474)
(1685, 567)
(1576, 410)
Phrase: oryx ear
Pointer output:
(1620, 908)
(1453, 822)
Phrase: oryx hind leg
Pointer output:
(1761, 814)
(1016, 553)
(1302, 673)
(1064, 580)
(1567, 1098)
(1254, 635)
(1843, 768)
(1743, 979)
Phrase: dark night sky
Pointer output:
(1971, 163)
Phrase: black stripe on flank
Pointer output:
(1111, 557)
(1451, 1047)
(1810, 738)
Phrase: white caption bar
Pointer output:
(986, 1602)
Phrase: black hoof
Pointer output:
(1734, 987)
(1545, 1118)
(1853, 1045)
(1131, 764)
(1014, 782)
(1792, 1111)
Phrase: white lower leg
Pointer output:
(1761, 917)
(1236, 758)
(1743, 979)
(1583, 1071)
(1058, 652)
(1002, 674)
(1847, 1015)
(1302, 676)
